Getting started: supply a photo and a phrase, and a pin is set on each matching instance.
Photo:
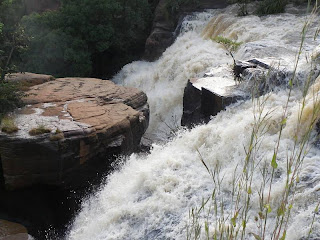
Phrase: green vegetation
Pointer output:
(39, 130)
(8, 125)
(83, 34)
(231, 217)
(271, 7)
(12, 44)
(231, 47)
(10, 97)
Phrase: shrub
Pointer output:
(271, 7)
(10, 97)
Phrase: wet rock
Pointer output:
(89, 121)
(12, 231)
(165, 25)
(222, 86)
(205, 97)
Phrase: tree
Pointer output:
(82, 32)
(12, 38)
(12, 43)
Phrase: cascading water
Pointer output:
(150, 196)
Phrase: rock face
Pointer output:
(41, 5)
(12, 231)
(164, 25)
(88, 120)
(205, 97)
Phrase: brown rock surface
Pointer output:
(29, 79)
(12, 231)
(90, 121)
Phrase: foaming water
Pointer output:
(274, 38)
(150, 196)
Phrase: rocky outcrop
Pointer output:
(27, 79)
(205, 97)
(41, 5)
(12, 231)
(87, 122)
(165, 23)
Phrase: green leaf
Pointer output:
(283, 122)
(281, 210)
(290, 83)
(267, 206)
(283, 236)
(274, 163)
(256, 236)
(234, 219)
(249, 190)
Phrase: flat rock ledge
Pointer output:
(207, 96)
(12, 231)
(88, 121)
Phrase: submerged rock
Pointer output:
(69, 130)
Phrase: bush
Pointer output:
(10, 97)
(271, 7)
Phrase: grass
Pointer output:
(39, 130)
(8, 125)
(58, 135)
(217, 218)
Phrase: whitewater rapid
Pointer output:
(150, 196)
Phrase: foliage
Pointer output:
(231, 47)
(12, 37)
(8, 125)
(71, 40)
(271, 7)
(10, 97)
(231, 217)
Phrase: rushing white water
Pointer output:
(150, 196)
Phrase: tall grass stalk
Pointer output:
(231, 223)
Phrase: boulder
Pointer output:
(205, 97)
(165, 24)
(27, 79)
(12, 231)
(70, 129)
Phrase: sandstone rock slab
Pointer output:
(12, 231)
(89, 120)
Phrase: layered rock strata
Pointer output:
(87, 122)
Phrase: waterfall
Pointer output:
(151, 196)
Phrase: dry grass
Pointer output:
(8, 126)
(39, 130)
